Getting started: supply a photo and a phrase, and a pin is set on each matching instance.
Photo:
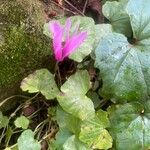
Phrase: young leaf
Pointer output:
(118, 17)
(27, 142)
(73, 99)
(93, 132)
(130, 123)
(41, 81)
(85, 24)
(22, 122)
(3, 120)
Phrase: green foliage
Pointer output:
(130, 123)
(68, 121)
(27, 142)
(114, 115)
(3, 120)
(74, 144)
(93, 132)
(73, 99)
(22, 122)
(124, 67)
(118, 17)
(41, 81)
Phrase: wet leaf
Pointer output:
(124, 67)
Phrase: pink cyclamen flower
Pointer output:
(64, 43)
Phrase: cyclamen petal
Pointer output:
(73, 43)
(58, 32)
(65, 44)
(67, 28)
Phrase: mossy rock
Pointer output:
(23, 47)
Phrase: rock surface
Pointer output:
(23, 47)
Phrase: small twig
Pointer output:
(5, 100)
(32, 115)
(63, 7)
(81, 13)
(11, 147)
(21, 106)
(85, 5)
(43, 122)
(2, 135)
(102, 103)
(50, 135)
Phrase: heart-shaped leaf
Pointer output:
(73, 99)
(124, 69)
(130, 123)
(93, 132)
(41, 81)
(27, 142)
(22, 122)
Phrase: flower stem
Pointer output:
(57, 72)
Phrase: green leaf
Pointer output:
(3, 120)
(101, 31)
(118, 17)
(124, 69)
(41, 81)
(27, 142)
(73, 143)
(140, 19)
(130, 125)
(68, 121)
(8, 134)
(95, 98)
(22, 122)
(93, 132)
(62, 137)
(73, 99)
(85, 24)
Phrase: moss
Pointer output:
(23, 46)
